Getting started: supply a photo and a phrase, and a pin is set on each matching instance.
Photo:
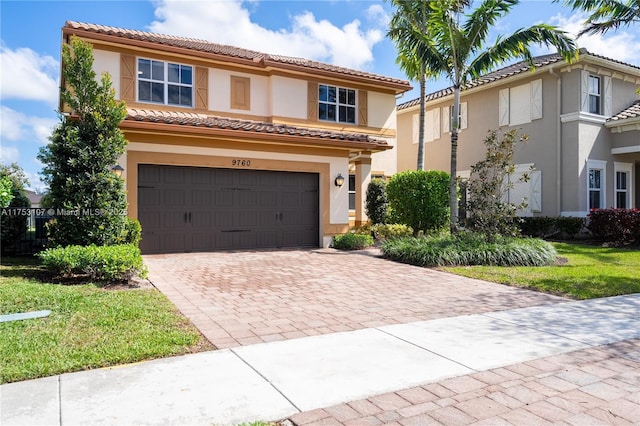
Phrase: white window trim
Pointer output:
(166, 83)
(627, 168)
(338, 104)
(598, 165)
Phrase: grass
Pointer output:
(584, 272)
(89, 326)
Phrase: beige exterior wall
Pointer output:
(289, 97)
(220, 93)
(105, 61)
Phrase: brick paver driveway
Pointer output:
(241, 298)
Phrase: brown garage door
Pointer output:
(184, 209)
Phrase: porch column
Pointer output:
(363, 177)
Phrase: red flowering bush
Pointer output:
(621, 226)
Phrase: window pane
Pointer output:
(144, 91)
(173, 92)
(621, 200)
(594, 199)
(186, 77)
(594, 85)
(594, 179)
(185, 96)
(352, 201)
(331, 112)
(144, 68)
(173, 73)
(157, 70)
(351, 99)
(323, 92)
(157, 92)
(342, 96)
(594, 104)
(351, 115)
(322, 111)
(342, 117)
(352, 182)
(621, 180)
(331, 95)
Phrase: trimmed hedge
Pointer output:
(383, 232)
(543, 226)
(470, 249)
(377, 204)
(352, 241)
(620, 226)
(98, 263)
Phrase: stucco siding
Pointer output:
(289, 97)
(109, 62)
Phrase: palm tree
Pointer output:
(606, 14)
(461, 43)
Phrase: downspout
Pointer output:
(558, 141)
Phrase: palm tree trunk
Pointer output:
(423, 85)
(453, 182)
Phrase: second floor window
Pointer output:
(165, 83)
(595, 189)
(594, 94)
(336, 104)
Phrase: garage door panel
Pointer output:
(199, 209)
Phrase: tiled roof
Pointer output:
(219, 49)
(222, 123)
(508, 71)
(632, 112)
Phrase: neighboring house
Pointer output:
(583, 123)
(235, 149)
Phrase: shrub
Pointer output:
(468, 248)
(376, 203)
(620, 226)
(99, 263)
(352, 241)
(132, 232)
(383, 232)
(420, 199)
(570, 226)
(543, 226)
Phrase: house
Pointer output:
(582, 119)
(235, 149)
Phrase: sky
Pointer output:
(350, 33)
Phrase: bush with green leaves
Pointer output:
(466, 248)
(82, 151)
(352, 241)
(13, 224)
(98, 263)
(6, 191)
(376, 203)
(488, 186)
(132, 232)
(545, 227)
(383, 232)
(419, 199)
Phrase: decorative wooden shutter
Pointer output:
(127, 78)
(463, 116)
(202, 88)
(363, 108)
(436, 123)
(535, 200)
(608, 98)
(312, 101)
(536, 99)
(415, 121)
(503, 108)
(428, 126)
(584, 91)
(446, 119)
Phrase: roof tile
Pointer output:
(631, 112)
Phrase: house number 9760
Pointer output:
(241, 163)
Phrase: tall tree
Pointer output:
(84, 147)
(606, 15)
(460, 41)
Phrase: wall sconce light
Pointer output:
(117, 169)
(339, 180)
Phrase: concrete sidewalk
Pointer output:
(271, 381)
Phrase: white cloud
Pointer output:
(9, 154)
(35, 182)
(229, 22)
(27, 75)
(376, 14)
(17, 126)
(621, 45)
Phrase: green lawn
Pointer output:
(583, 272)
(89, 326)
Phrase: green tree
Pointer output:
(460, 41)
(490, 212)
(84, 147)
(419, 199)
(6, 189)
(408, 29)
(606, 15)
(13, 226)
(376, 203)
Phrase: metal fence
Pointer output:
(23, 230)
